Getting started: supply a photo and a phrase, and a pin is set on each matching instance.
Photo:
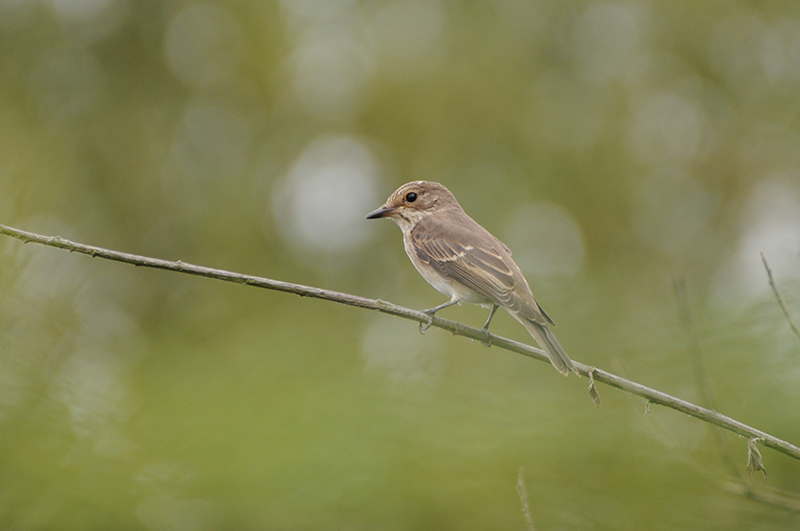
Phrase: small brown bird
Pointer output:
(464, 261)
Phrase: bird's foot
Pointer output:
(488, 341)
(423, 329)
(485, 328)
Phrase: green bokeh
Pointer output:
(618, 148)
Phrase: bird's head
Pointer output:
(413, 201)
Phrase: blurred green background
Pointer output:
(617, 147)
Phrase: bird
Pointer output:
(464, 261)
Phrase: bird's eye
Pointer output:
(411, 197)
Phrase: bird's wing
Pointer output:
(465, 252)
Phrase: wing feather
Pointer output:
(463, 251)
(474, 260)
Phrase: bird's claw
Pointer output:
(422, 329)
(488, 341)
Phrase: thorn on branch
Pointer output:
(593, 394)
(754, 460)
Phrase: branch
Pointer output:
(651, 395)
(777, 293)
(775, 498)
(523, 498)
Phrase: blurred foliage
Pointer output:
(615, 146)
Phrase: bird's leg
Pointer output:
(432, 311)
(485, 327)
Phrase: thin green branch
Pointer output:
(652, 395)
(778, 296)
(701, 375)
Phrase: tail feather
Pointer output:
(548, 342)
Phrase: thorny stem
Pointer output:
(652, 395)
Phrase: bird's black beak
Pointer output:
(381, 212)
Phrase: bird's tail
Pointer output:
(548, 342)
